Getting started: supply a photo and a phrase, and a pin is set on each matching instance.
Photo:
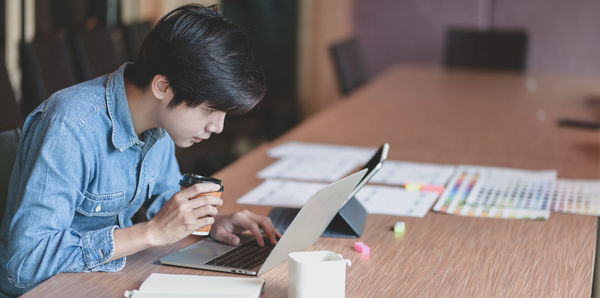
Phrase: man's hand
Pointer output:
(227, 225)
(184, 213)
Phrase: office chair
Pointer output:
(10, 116)
(133, 36)
(490, 49)
(94, 52)
(9, 140)
(47, 67)
(349, 65)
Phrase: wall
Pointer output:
(321, 24)
(408, 31)
(563, 34)
(155, 9)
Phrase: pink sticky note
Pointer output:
(362, 248)
(433, 188)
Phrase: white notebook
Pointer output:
(187, 286)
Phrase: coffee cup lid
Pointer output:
(191, 179)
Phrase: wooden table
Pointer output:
(440, 116)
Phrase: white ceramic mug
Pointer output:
(317, 274)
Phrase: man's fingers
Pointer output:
(205, 200)
(198, 188)
(221, 234)
(253, 227)
(234, 240)
(206, 210)
(267, 226)
(201, 222)
(244, 220)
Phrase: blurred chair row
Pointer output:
(54, 61)
(10, 115)
(10, 121)
(463, 48)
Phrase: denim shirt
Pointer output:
(81, 172)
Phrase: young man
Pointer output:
(93, 154)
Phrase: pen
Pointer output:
(578, 124)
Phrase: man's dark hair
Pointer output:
(205, 57)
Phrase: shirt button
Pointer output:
(98, 208)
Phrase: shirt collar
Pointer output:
(123, 132)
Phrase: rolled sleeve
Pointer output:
(98, 249)
(54, 171)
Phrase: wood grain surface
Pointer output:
(441, 116)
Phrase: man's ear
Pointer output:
(160, 87)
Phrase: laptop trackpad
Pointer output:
(207, 249)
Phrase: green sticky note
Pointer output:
(400, 227)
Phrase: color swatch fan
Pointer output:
(499, 193)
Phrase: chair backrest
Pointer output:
(9, 140)
(94, 52)
(349, 65)
(489, 49)
(10, 116)
(134, 35)
(47, 67)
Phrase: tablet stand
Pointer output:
(349, 222)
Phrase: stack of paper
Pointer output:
(310, 168)
(291, 180)
(375, 199)
(306, 149)
(401, 172)
(176, 285)
(396, 201)
(324, 162)
(281, 193)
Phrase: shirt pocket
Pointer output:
(103, 204)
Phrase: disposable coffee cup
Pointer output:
(190, 179)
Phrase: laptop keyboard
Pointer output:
(246, 256)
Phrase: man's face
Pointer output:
(187, 125)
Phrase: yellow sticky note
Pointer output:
(412, 186)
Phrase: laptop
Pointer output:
(350, 221)
(250, 259)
